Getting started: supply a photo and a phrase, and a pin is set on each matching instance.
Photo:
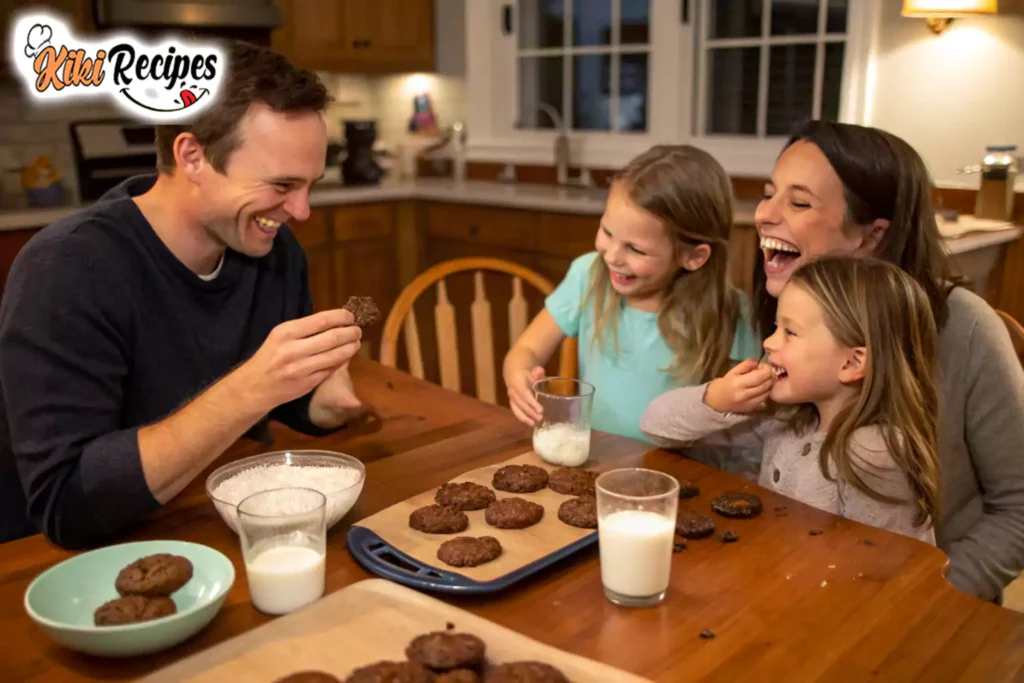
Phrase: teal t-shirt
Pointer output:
(625, 384)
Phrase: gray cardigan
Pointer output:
(981, 448)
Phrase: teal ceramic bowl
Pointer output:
(62, 599)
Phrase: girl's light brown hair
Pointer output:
(690, 193)
(874, 304)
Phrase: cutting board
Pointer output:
(530, 548)
(369, 621)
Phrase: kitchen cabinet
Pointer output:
(357, 36)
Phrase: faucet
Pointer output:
(561, 143)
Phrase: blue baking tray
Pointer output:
(379, 557)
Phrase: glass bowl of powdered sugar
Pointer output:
(338, 476)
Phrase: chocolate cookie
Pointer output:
(438, 519)
(131, 609)
(465, 496)
(444, 650)
(458, 676)
(363, 309)
(159, 574)
(572, 482)
(693, 525)
(579, 512)
(466, 551)
(688, 489)
(513, 513)
(520, 478)
(392, 672)
(525, 672)
(309, 677)
(737, 505)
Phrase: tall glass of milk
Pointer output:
(636, 521)
(284, 542)
(562, 437)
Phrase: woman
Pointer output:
(844, 188)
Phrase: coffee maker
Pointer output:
(360, 167)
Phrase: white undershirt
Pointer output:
(216, 271)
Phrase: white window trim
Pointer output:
(491, 99)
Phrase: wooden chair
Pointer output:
(1016, 333)
(402, 319)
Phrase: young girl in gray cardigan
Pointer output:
(845, 407)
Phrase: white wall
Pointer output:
(950, 95)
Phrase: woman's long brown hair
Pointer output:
(691, 194)
(874, 304)
(883, 177)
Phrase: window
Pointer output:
(731, 76)
(767, 65)
(584, 62)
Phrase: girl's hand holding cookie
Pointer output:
(742, 390)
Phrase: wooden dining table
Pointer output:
(803, 595)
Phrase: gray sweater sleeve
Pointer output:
(991, 553)
(62, 346)
(681, 418)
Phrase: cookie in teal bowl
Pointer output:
(63, 599)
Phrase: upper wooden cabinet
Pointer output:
(357, 36)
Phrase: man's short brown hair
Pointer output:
(255, 74)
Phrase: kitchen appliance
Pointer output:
(248, 20)
(998, 170)
(360, 166)
(108, 151)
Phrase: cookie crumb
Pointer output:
(679, 547)
(390, 385)
(781, 511)
(869, 542)
(815, 532)
(707, 634)
(450, 626)
(730, 537)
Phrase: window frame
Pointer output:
(673, 110)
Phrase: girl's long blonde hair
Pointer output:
(876, 305)
(691, 194)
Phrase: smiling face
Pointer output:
(810, 365)
(641, 256)
(266, 180)
(803, 215)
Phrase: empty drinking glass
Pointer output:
(636, 522)
(284, 541)
(563, 435)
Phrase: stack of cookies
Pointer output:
(145, 587)
(451, 502)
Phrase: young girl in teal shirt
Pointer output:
(653, 306)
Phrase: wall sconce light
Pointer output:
(939, 13)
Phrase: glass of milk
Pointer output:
(563, 435)
(636, 521)
(284, 541)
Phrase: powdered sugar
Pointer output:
(340, 485)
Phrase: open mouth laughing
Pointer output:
(622, 279)
(779, 256)
(779, 372)
(266, 226)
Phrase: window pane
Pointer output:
(792, 17)
(592, 22)
(541, 23)
(790, 87)
(635, 22)
(633, 94)
(833, 84)
(837, 16)
(735, 18)
(540, 80)
(732, 90)
(591, 92)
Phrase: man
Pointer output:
(142, 336)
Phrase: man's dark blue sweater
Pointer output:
(103, 330)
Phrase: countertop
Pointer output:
(574, 200)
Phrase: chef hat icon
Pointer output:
(38, 37)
